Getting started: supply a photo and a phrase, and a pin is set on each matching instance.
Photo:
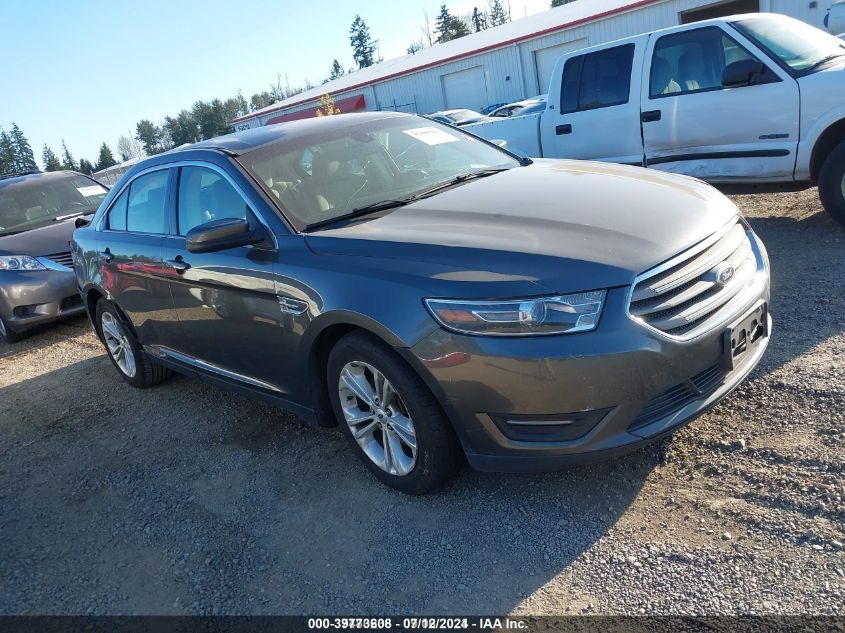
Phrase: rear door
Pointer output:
(130, 258)
(593, 110)
(694, 126)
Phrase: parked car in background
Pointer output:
(458, 117)
(488, 109)
(37, 218)
(520, 108)
(756, 98)
(429, 293)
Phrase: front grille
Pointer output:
(676, 398)
(65, 259)
(689, 293)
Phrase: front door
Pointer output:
(130, 257)
(595, 110)
(694, 126)
(226, 301)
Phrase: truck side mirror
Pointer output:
(745, 72)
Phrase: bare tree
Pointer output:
(427, 31)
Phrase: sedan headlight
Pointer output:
(562, 314)
(20, 262)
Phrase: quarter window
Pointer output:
(692, 61)
(205, 195)
(597, 80)
(145, 210)
(117, 213)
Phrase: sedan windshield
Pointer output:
(798, 45)
(27, 203)
(369, 167)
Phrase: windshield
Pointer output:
(797, 44)
(27, 203)
(463, 115)
(320, 178)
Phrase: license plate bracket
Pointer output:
(743, 337)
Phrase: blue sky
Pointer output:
(87, 71)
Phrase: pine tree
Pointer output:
(7, 153)
(498, 15)
(85, 166)
(105, 159)
(479, 20)
(448, 26)
(149, 136)
(24, 158)
(363, 47)
(337, 70)
(50, 160)
(67, 159)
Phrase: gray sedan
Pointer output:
(433, 295)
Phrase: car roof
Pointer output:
(241, 142)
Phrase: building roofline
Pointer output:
(521, 38)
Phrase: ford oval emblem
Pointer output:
(724, 273)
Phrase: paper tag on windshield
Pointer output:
(92, 190)
(430, 135)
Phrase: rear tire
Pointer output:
(9, 335)
(832, 183)
(410, 413)
(133, 365)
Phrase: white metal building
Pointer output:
(510, 62)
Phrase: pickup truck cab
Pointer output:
(754, 98)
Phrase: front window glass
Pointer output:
(27, 203)
(145, 209)
(367, 163)
(798, 45)
(692, 61)
(205, 195)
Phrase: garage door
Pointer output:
(545, 59)
(720, 10)
(465, 89)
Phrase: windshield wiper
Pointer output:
(59, 218)
(822, 62)
(381, 205)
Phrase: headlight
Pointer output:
(20, 262)
(562, 314)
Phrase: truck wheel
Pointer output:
(390, 417)
(832, 183)
(133, 365)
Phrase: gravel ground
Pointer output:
(188, 499)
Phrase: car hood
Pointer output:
(45, 240)
(566, 225)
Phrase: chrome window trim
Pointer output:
(188, 163)
(698, 332)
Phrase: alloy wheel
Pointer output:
(378, 418)
(118, 344)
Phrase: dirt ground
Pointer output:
(189, 499)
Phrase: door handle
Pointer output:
(566, 128)
(650, 115)
(178, 264)
(106, 256)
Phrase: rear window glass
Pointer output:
(597, 80)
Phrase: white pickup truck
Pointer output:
(756, 98)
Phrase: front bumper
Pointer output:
(29, 298)
(621, 370)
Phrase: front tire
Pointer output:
(832, 183)
(133, 365)
(389, 416)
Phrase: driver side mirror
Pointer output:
(745, 72)
(218, 235)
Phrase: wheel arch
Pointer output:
(825, 144)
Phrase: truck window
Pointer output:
(692, 61)
(597, 80)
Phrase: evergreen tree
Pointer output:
(50, 160)
(105, 159)
(363, 47)
(498, 15)
(479, 20)
(448, 26)
(337, 70)
(7, 153)
(182, 128)
(211, 118)
(85, 166)
(148, 134)
(67, 158)
(24, 158)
